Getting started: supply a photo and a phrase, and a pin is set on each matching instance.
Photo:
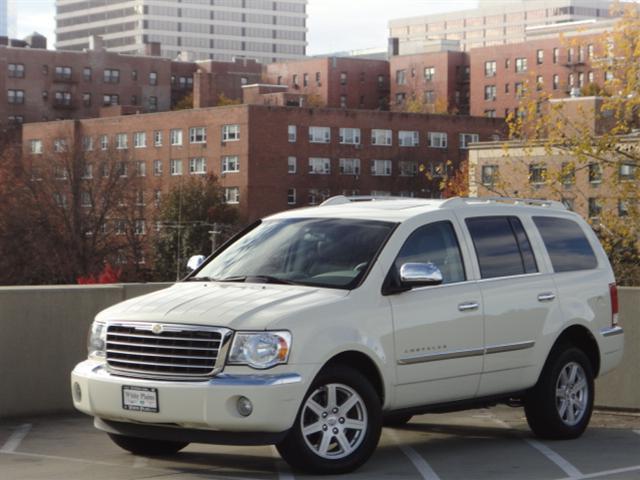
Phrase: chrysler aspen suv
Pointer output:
(313, 328)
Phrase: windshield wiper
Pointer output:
(256, 279)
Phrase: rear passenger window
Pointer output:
(566, 243)
(434, 243)
(502, 246)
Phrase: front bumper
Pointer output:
(208, 405)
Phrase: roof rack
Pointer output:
(536, 202)
(343, 200)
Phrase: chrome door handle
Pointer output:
(468, 306)
(546, 297)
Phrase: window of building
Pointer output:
(15, 70)
(230, 133)
(556, 81)
(537, 174)
(381, 168)
(595, 173)
(491, 113)
(295, 82)
(232, 195)
(104, 142)
(349, 166)
(176, 136)
(519, 87)
(15, 97)
(507, 63)
(63, 73)
(305, 80)
(59, 145)
(590, 51)
(85, 199)
(140, 140)
(380, 81)
(467, 138)
(141, 168)
(87, 74)
(319, 166)
(490, 68)
(317, 195)
(540, 57)
(153, 78)
(627, 172)
(175, 167)
(318, 79)
(293, 133)
(623, 208)
(87, 172)
(408, 168)
(291, 196)
(521, 65)
(292, 165)
(502, 246)
(87, 143)
(139, 227)
(230, 164)
(489, 175)
(568, 173)
(198, 135)
(595, 207)
(343, 101)
(350, 136)
(430, 74)
(153, 104)
(401, 77)
(157, 168)
(490, 92)
(110, 99)
(15, 119)
(408, 138)
(122, 141)
(111, 76)
(437, 139)
(86, 99)
(381, 137)
(62, 99)
(400, 98)
(157, 138)
(122, 170)
(35, 146)
(319, 134)
(343, 78)
(198, 166)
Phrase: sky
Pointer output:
(334, 25)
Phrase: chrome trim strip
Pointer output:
(610, 332)
(473, 352)
(509, 347)
(228, 380)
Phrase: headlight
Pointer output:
(97, 341)
(260, 349)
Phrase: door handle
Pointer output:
(546, 297)
(468, 306)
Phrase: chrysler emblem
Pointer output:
(157, 328)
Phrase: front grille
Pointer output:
(176, 351)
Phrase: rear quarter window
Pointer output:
(566, 243)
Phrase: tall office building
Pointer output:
(494, 22)
(266, 30)
(8, 24)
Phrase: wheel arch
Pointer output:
(365, 365)
(582, 338)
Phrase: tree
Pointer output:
(188, 213)
(185, 103)
(599, 141)
(224, 101)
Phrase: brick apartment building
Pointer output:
(336, 82)
(439, 80)
(270, 159)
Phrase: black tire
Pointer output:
(146, 447)
(397, 419)
(303, 452)
(544, 408)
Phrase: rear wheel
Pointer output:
(561, 403)
(144, 446)
(338, 425)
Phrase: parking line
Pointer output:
(608, 472)
(65, 459)
(140, 462)
(14, 441)
(420, 463)
(637, 431)
(283, 472)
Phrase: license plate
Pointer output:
(140, 399)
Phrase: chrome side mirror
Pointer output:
(420, 274)
(195, 262)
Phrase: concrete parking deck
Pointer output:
(484, 444)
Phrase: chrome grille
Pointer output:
(170, 351)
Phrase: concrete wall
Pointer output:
(43, 335)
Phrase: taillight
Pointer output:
(613, 293)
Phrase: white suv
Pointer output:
(314, 327)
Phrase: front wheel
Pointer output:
(561, 403)
(147, 447)
(338, 425)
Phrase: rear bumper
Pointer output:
(611, 347)
(208, 405)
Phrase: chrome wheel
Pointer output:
(333, 421)
(572, 393)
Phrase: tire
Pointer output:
(561, 403)
(396, 419)
(147, 447)
(327, 447)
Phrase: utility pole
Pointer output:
(214, 237)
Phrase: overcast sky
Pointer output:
(334, 25)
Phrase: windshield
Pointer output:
(334, 253)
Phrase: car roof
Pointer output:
(401, 209)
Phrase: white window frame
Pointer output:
(231, 133)
(319, 166)
(350, 136)
(382, 137)
(157, 168)
(36, 147)
(408, 138)
(198, 135)
(157, 138)
(381, 168)
(467, 138)
(293, 133)
(231, 164)
(438, 140)
(292, 165)
(408, 168)
(350, 166)
(120, 144)
(104, 142)
(319, 134)
(141, 168)
(232, 195)
(140, 140)
(197, 166)
(292, 197)
(175, 167)
(87, 143)
(176, 137)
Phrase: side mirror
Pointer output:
(420, 274)
(195, 262)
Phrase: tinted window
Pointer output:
(434, 243)
(566, 243)
(502, 246)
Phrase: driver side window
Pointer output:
(434, 243)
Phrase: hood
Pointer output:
(239, 306)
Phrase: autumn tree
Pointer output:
(188, 214)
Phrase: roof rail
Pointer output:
(343, 200)
(537, 202)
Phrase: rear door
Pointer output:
(519, 299)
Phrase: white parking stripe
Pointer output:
(65, 459)
(140, 462)
(420, 463)
(610, 472)
(283, 472)
(14, 441)
(571, 471)
(637, 431)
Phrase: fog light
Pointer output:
(77, 392)
(244, 406)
